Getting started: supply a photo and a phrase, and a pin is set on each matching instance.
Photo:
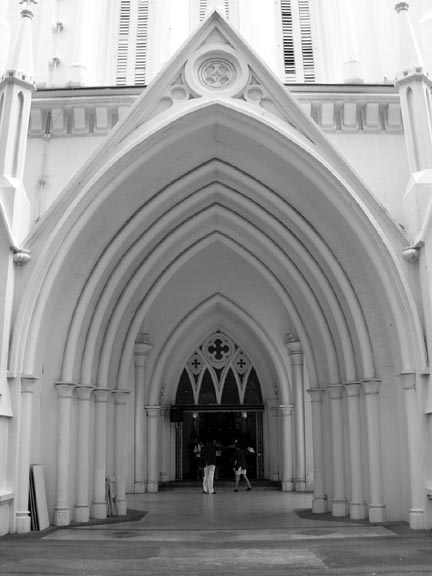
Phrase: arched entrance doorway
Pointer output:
(218, 396)
(231, 210)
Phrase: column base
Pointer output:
(319, 505)
(99, 510)
(377, 514)
(62, 517)
(82, 513)
(121, 507)
(23, 522)
(339, 508)
(300, 485)
(358, 511)
(139, 487)
(287, 486)
(152, 487)
(416, 519)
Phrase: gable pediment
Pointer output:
(216, 64)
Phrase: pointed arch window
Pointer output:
(133, 21)
(297, 41)
(219, 372)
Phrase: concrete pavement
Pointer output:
(185, 532)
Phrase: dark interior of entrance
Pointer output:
(224, 427)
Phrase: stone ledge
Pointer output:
(335, 108)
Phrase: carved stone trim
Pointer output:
(370, 109)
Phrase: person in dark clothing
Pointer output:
(208, 456)
(240, 465)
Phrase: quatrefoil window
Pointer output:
(217, 73)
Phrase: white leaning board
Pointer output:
(41, 503)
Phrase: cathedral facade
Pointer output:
(215, 222)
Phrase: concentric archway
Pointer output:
(216, 214)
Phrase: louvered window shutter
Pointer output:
(203, 7)
(288, 41)
(298, 57)
(141, 42)
(306, 41)
(132, 42)
(123, 42)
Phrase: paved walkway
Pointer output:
(185, 532)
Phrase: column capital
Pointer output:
(371, 386)
(65, 389)
(335, 391)
(286, 409)
(83, 392)
(408, 379)
(120, 396)
(27, 383)
(295, 349)
(142, 349)
(316, 394)
(352, 389)
(101, 394)
(153, 410)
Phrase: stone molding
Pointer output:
(95, 111)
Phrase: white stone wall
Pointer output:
(75, 40)
(363, 124)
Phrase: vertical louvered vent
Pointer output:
(227, 9)
(132, 42)
(123, 42)
(141, 42)
(288, 41)
(203, 7)
(306, 41)
(298, 57)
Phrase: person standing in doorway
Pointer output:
(208, 455)
(240, 465)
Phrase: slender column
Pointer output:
(120, 399)
(376, 506)
(287, 448)
(296, 353)
(82, 509)
(22, 513)
(351, 65)
(99, 508)
(165, 438)
(153, 415)
(416, 465)
(62, 508)
(357, 505)
(273, 424)
(339, 505)
(319, 501)
(78, 69)
(142, 351)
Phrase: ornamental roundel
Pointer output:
(218, 349)
(216, 69)
(195, 364)
(217, 73)
(242, 363)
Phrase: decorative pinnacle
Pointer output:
(401, 6)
